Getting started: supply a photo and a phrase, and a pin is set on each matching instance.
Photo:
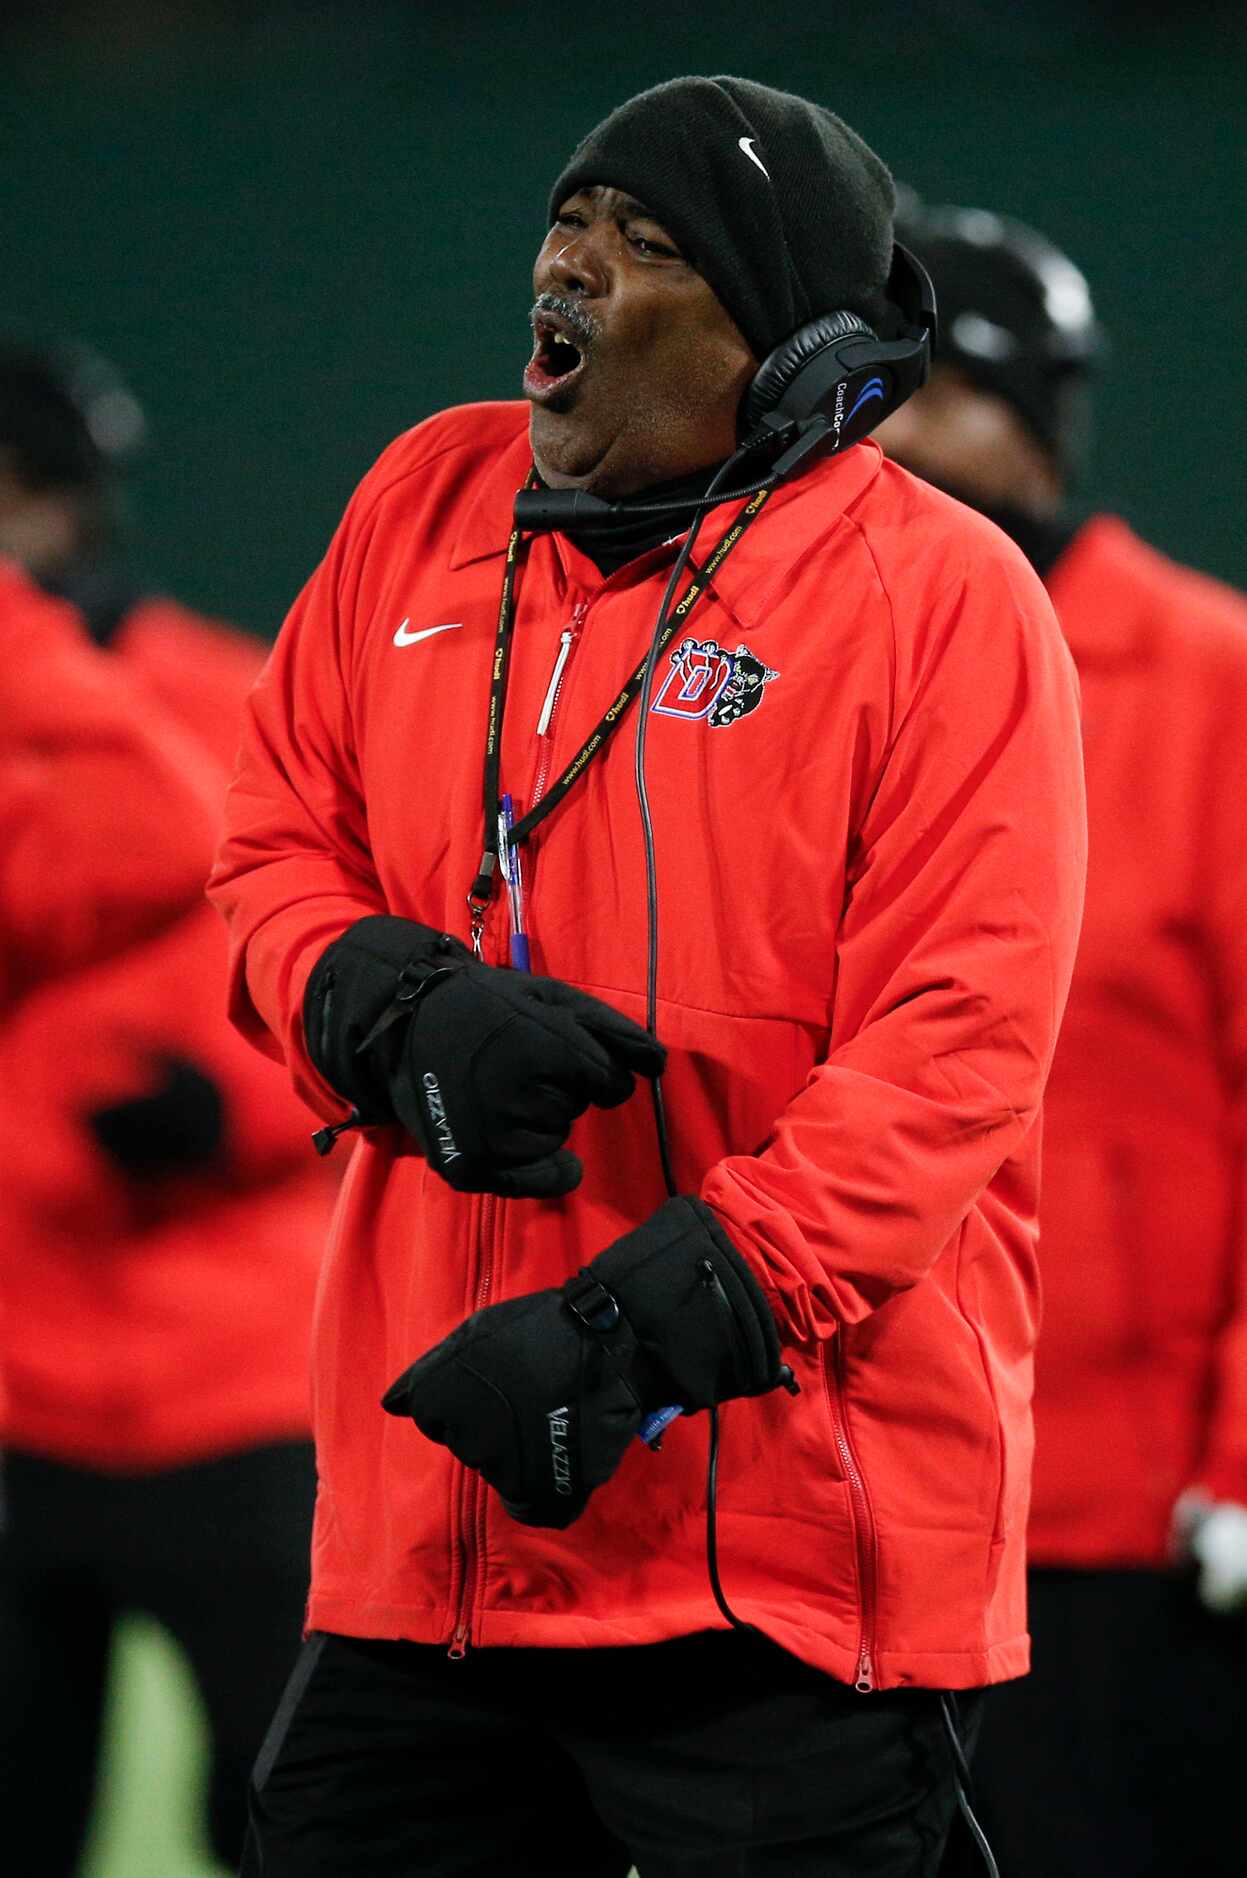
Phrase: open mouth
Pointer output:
(558, 357)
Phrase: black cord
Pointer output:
(647, 831)
(712, 1528)
(964, 1784)
(961, 1766)
(710, 500)
(651, 994)
(763, 436)
(660, 1129)
(647, 822)
(682, 560)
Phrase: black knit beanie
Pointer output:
(777, 203)
(1015, 316)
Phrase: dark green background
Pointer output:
(298, 230)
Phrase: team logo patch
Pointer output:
(707, 681)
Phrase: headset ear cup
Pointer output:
(782, 367)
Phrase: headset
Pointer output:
(820, 391)
(832, 381)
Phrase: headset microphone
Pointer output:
(538, 511)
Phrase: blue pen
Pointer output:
(655, 1426)
(510, 856)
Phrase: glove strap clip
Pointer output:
(413, 984)
(587, 1298)
(325, 1140)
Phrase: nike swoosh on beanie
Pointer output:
(796, 225)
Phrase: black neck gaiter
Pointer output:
(1043, 539)
(618, 539)
(101, 589)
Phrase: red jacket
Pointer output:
(151, 1322)
(106, 813)
(870, 886)
(1142, 1380)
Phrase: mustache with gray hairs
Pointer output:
(581, 323)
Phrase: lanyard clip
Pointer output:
(480, 893)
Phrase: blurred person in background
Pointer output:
(1119, 1754)
(162, 1218)
(107, 812)
(518, 1658)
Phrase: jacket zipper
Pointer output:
(472, 1490)
(864, 1537)
(472, 1496)
(545, 723)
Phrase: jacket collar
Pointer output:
(831, 485)
(812, 506)
(487, 525)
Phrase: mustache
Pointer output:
(579, 322)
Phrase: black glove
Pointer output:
(485, 1068)
(176, 1128)
(542, 1394)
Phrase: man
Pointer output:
(868, 876)
(1118, 1753)
(160, 1221)
(105, 824)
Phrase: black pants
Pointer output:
(216, 1552)
(1121, 1755)
(713, 1756)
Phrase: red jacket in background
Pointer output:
(149, 1323)
(870, 884)
(106, 812)
(1142, 1366)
